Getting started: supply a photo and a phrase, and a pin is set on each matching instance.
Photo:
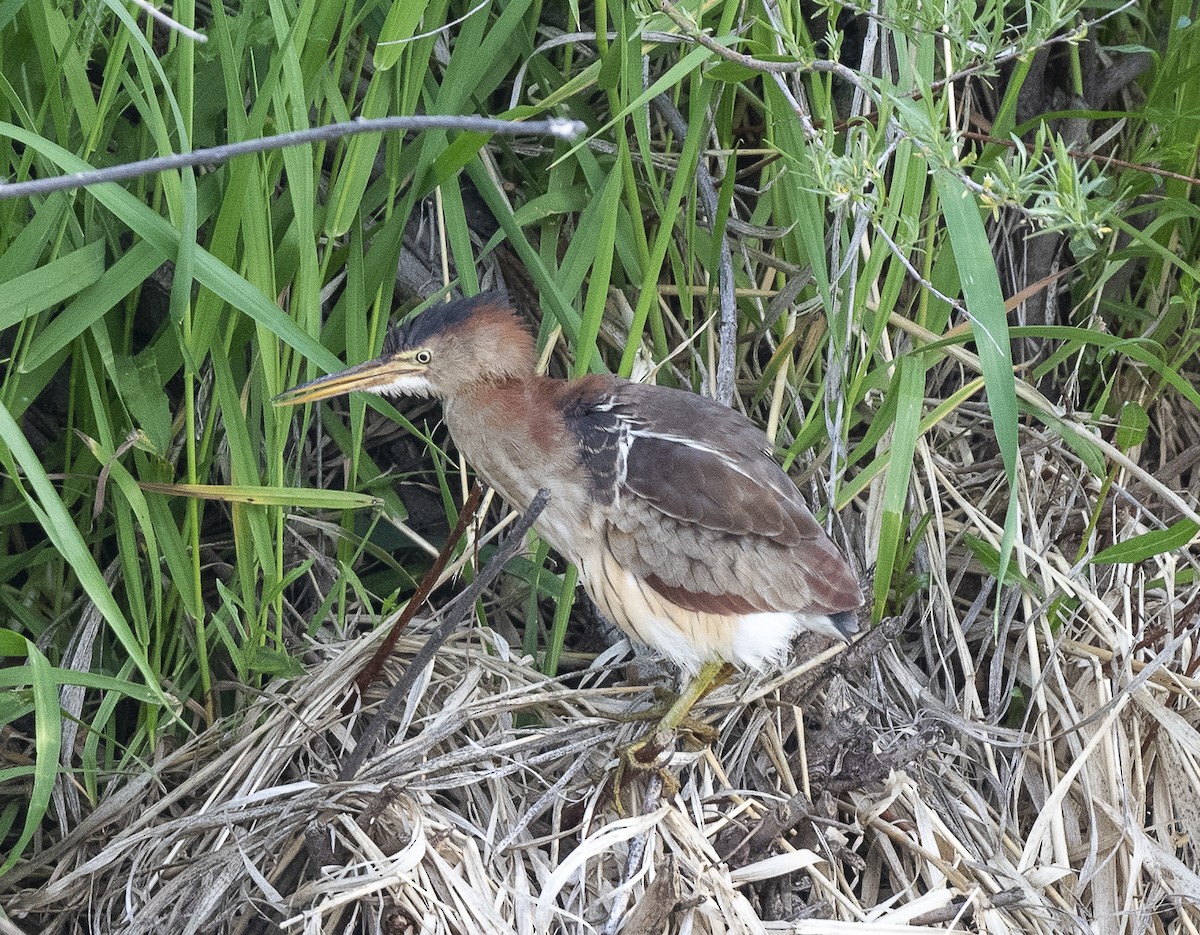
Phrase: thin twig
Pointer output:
(214, 155)
(916, 273)
(371, 670)
(708, 195)
(1102, 161)
(443, 29)
(452, 616)
(849, 75)
(768, 67)
(170, 23)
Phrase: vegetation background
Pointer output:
(946, 254)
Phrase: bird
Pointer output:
(685, 531)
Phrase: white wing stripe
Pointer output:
(692, 443)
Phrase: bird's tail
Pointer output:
(846, 623)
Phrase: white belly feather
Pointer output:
(687, 637)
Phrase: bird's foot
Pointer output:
(651, 755)
(647, 754)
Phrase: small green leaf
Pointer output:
(142, 388)
(731, 72)
(272, 662)
(1148, 544)
(989, 557)
(1133, 425)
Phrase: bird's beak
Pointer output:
(374, 376)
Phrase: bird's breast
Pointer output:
(512, 436)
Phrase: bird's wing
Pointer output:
(697, 506)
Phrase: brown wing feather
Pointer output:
(701, 512)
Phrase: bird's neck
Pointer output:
(489, 411)
(508, 430)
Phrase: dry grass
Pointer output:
(892, 786)
(1031, 770)
(1034, 769)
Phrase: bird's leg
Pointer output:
(641, 754)
(673, 716)
(697, 688)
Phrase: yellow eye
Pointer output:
(423, 356)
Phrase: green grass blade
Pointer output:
(989, 323)
(51, 284)
(20, 461)
(48, 731)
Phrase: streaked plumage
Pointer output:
(686, 532)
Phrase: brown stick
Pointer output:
(452, 616)
(371, 670)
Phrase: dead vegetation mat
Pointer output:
(1035, 770)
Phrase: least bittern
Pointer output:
(686, 533)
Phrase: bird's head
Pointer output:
(442, 352)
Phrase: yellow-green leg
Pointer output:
(692, 692)
(640, 754)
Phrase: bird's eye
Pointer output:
(423, 356)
